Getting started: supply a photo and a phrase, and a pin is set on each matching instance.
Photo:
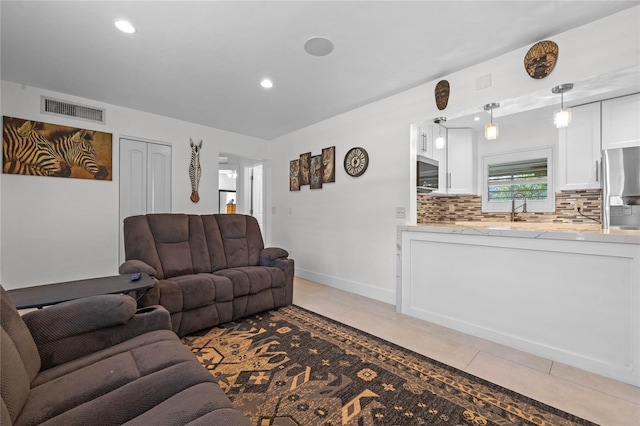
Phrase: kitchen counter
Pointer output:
(567, 292)
(538, 230)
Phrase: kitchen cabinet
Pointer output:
(620, 125)
(601, 293)
(425, 135)
(579, 150)
(461, 161)
(457, 159)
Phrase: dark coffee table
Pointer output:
(50, 294)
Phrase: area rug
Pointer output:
(292, 367)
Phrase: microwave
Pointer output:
(426, 175)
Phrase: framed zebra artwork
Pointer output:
(44, 149)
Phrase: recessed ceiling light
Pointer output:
(476, 118)
(124, 26)
(266, 83)
(318, 46)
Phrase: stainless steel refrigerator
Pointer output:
(621, 192)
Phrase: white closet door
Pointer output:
(158, 178)
(145, 180)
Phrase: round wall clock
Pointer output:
(356, 161)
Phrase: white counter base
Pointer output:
(572, 300)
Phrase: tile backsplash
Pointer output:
(458, 208)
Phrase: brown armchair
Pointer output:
(99, 361)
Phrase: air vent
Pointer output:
(68, 109)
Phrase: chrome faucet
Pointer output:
(514, 208)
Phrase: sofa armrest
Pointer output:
(77, 328)
(134, 265)
(270, 255)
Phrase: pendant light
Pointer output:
(562, 117)
(491, 130)
(440, 139)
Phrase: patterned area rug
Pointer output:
(293, 367)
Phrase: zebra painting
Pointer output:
(194, 170)
(45, 149)
(75, 148)
(26, 151)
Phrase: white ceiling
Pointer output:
(202, 61)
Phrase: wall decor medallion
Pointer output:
(442, 94)
(194, 170)
(541, 58)
(44, 149)
(356, 161)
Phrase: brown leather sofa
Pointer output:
(211, 269)
(96, 361)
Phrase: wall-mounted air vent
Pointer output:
(69, 109)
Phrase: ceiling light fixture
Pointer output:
(491, 130)
(562, 117)
(124, 26)
(440, 139)
(266, 83)
(318, 46)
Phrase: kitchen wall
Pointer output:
(345, 234)
(460, 208)
(56, 229)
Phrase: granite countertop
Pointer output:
(547, 231)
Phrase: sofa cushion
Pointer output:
(193, 291)
(180, 243)
(129, 382)
(140, 243)
(143, 340)
(14, 380)
(125, 402)
(204, 402)
(19, 333)
(253, 279)
(242, 239)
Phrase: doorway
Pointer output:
(242, 178)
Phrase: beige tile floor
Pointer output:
(590, 396)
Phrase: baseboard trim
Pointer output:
(386, 296)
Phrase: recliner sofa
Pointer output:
(99, 361)
(211, 269)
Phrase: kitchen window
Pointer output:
(520, 175)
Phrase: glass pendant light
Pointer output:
(491, 130)
(440, 139)
(562, 117)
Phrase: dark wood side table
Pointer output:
(50, 294)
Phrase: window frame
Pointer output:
(548, 205)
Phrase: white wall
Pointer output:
(56, 229)
(344, 235)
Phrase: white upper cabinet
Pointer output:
(424, 139)
(457, 157)
(579, 150)
(462, 152)
(621, 122)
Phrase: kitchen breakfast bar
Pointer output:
(569, 293)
